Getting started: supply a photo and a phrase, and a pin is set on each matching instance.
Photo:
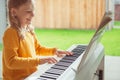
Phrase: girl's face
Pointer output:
(24, 13)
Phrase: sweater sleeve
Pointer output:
(43, 51)
(10, 55)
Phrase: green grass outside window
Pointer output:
(64, 38)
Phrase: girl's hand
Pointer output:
(49, 60)
(61, 53)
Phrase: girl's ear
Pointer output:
(13, 11)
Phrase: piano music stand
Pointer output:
(91, 66)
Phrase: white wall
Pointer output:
(117, 1)
(3, 20)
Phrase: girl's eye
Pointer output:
(28, 11)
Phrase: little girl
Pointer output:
(21, 46)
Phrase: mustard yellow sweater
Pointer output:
(20, 56)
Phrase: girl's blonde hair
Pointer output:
(14, 21)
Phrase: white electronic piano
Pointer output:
(87, 62)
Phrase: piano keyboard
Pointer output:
(56, 70)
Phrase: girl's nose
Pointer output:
(33, 13)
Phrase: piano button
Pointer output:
(63, 64)
(59, 67)
(55, 71)
(49, 75)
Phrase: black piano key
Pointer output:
(59, 67)
(63, 64)
(42, 78)
(65, 60)
(55, 71)
(69, 58)
(49, 75)
(74, 50)
(78, 52)
(74, 55)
